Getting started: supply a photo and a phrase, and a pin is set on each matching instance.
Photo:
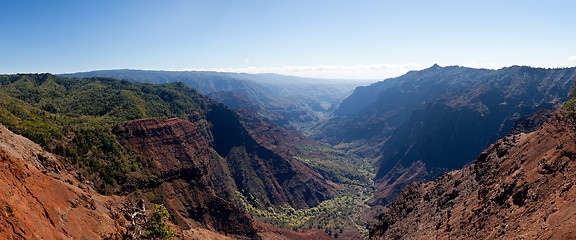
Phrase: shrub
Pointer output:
(158, 226)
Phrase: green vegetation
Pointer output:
(570, 106)
(82, 119)
(342, 213)
(158, 227)
(337, 165)
(76, 118)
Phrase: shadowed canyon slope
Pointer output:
(199, 185)
(181, 157)
(439, 119)
(521, 187)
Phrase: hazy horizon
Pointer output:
(359, 40)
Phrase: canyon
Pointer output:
(245, 161)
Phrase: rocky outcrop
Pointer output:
(198, 168)
(521, 187)
(42, 198)
(188, 173)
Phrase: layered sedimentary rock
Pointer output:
(199, 170)
(188, 173)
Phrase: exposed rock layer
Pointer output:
(41, 198)
(521, 187)
(199, 168)
(180, 154)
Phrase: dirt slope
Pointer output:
(40, 198)
(521, 187)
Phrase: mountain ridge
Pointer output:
(427, 113)
(521, 186)
(301, 101)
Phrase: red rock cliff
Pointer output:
(40, 197)
(180, 154)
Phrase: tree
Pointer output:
(158, 227)
(570, 106)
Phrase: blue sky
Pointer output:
(348, 39)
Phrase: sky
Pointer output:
(312, 38)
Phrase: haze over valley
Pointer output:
(287, 120)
